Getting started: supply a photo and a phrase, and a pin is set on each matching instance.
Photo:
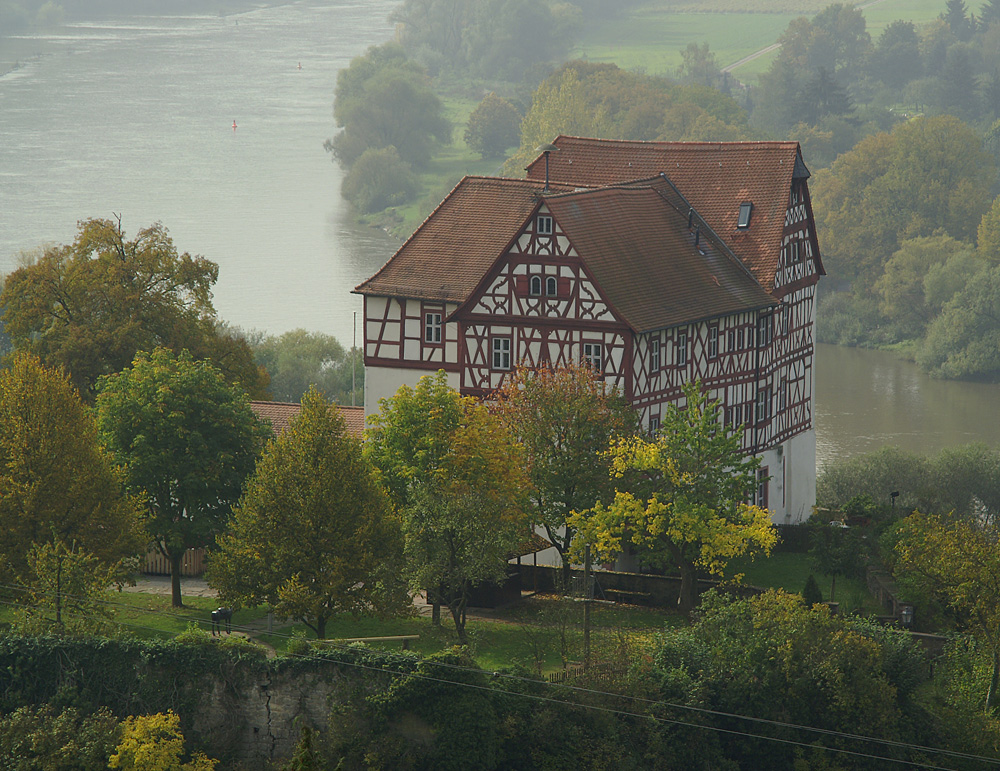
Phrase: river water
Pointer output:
(135, 117)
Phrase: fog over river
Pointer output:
(134, 117)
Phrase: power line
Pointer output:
(581, 690)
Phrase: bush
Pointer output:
(379, 179)
(811, 595)
(494, 126)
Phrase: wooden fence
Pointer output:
(192, 564)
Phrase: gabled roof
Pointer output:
(281, 414)
(636, 243)
(448, 254)
(716, 177)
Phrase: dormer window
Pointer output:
(544, 225)
(536, 286)
(746, 209)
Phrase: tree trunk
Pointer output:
(688, 596)
(833, 588)
(175, 578)
(321, 627)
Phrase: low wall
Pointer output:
(632, 588)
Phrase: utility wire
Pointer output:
(576, 689)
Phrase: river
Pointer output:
(134, 117)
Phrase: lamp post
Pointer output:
(892, 498)
(545, 149)
(906, 616)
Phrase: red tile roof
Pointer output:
(448, 254)
(636, 243)
(714, 176)
(281, 414)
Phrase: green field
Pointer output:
(651, 37)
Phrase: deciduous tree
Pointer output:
(55, 479)
(566, 419)
(313, 535)
(299, 359)
(187, 441)
(493, 127)
(459, 481)
(378, 179)
(90, 306)
(956, 559)
(681, 497)
(155, 743)
(384, 100)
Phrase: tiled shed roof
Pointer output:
(716, 177)
(636, 243)
(448, 254)
(281, 414)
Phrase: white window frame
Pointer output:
(681, 349)
(593, 355)
(543, 226)
(713, 341)
(654, 355)
(433, 326)
(500, 353)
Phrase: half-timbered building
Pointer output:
(658, 263)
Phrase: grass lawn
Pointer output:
(789, 571)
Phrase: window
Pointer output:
(681, 351)
(795, 250)
(551, 286)
(536, 285)
(592, 356)
(783, 395)
(794, 197)
(713, 342)
(786, 315)
(763, 410)
(501, 353)
(745, 210)
(736, 339)
(432, 327)
(734, 416)
(654, 355)
(544, 226)
(764, 330)
(762, 479)
(654, 424)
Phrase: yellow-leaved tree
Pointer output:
(683, 498)
(155, 743)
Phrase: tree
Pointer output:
(313, 535)
(698, 65)
(896, 58)
(299, 359)
(955, 16)
(956, 559)
(384, 100)
(155, 743)
(90, 306)
(565, 418)
(66, 590)
(681, 497)
(924, 175)
(458, 480)
(56, 482)
(876, 474)
(46, 739)
(988, 234)
(187, 442)
(493, 127)
(964, 340)
(834, 551)
(377, 180)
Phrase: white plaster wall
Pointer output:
(383, 382)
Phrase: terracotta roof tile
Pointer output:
(448, 254)
(714, 176)
(636, 243)
(281, 414)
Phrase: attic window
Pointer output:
(745, 209)
(544, 226)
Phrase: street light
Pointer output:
(906, 616)
(892, 498)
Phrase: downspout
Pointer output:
(756, 385)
